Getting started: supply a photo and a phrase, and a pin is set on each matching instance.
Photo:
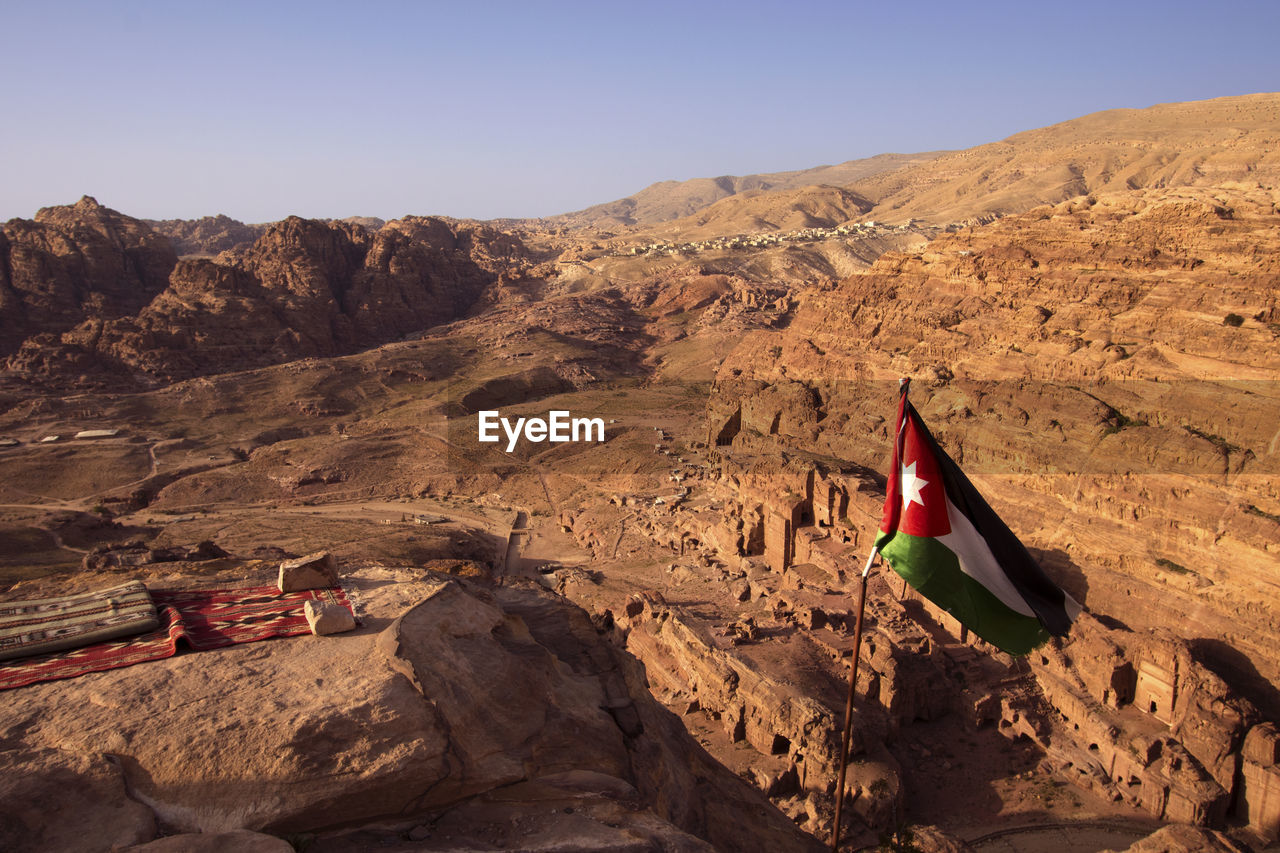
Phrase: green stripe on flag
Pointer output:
(934, 571)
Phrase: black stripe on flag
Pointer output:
(1042, 595)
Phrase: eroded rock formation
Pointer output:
(1081, 362)
(207, 235)
(303, 288)
(75, 262)
(1139, 717)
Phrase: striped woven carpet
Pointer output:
(52, 624)
(203, 619)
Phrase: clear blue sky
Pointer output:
(488, 109)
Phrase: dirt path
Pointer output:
(516, 541)
(1084, 837)
(57, 540)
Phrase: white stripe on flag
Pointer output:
(977, 561)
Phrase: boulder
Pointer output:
(314, 571)
(931, 839)
(329, 618)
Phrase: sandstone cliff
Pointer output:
(304, 288)
(1104, 368)
(75, 262)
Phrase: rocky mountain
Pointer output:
(210, 235)
(368, 223)
(77, 262)
(303, 288)
(761, 211)
(1203, 143)
(1200, 143)
(207, 235)
(667, 200)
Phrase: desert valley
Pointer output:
(642, 642)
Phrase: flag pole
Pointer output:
(848, 705)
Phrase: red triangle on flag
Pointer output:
(916, 503)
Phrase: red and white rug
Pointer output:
(204, 619)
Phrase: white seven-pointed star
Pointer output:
(911, 486)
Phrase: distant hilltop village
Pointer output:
(767, 239)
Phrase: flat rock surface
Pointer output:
(413, 715)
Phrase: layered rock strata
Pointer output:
(1103, 369)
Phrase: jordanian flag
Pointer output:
(947, 542)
